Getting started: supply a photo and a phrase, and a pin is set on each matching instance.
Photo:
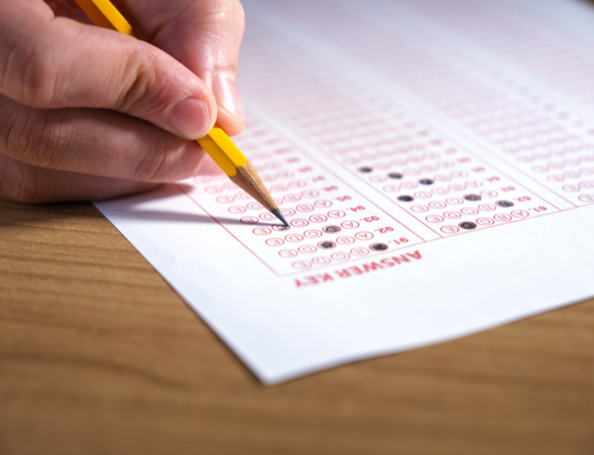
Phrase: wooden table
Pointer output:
(98, 355)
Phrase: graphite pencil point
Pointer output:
(280, 216)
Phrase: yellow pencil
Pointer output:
(217, 144)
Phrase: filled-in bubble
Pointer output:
(472, 197)
(395, 175)
(505, 203)
(467, 225)
(326, 244)
(280, 227)
(378, 247)
(406, 198)
(331, 229)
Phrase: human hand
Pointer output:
(88, 113)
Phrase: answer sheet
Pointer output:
(435, 160)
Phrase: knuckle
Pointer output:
(39, 78)
(154, 166)
(225, 6)
(232, 7)
(138, 85)
(223, 18)
(231, 16)
(19, 182)
(37, 137)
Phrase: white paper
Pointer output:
(486, 109)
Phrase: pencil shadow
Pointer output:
(172, 190)
(163, 215)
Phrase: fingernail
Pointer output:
(224, 87)
(190, 118)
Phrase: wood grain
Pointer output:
(98, 355)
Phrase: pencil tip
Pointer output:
(280, 216)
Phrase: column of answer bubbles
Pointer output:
(329, 222)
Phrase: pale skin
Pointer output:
(87, 113)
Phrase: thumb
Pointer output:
(203, 35)
(50, 62)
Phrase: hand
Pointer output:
(89, 113)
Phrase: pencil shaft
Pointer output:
(247, 179)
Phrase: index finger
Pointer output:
(50, 62)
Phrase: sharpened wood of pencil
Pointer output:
(216, 143)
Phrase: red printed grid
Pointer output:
(445, 187)
(330, 222)
(546, 141)
(448, 187)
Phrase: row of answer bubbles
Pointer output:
(464, 210)
(484, 221)
(325, 260)
(498, 217)
(304, 208)
(398, 176)
(277, 187)
(438, 190)
(485, 207)
(312, 234)
(452, 200)
(300, 222)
